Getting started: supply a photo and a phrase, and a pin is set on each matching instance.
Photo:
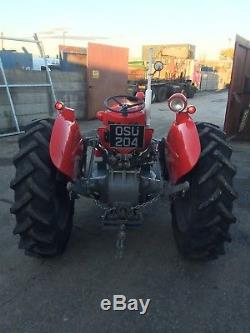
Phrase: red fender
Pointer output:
(183, 148)
(66, 146)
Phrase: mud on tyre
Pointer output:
(202, 217)
(42, 204)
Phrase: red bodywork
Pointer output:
(66, 146)
(183, 147)
(133, 118)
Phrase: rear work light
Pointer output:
(191, 109)
(177, 102)
(59, 105)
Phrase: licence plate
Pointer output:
(126, 136)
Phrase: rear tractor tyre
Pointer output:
(42, 205)
(201, 218)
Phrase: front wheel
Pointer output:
(42, 204)
(201, 218)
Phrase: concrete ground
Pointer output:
(64, 294)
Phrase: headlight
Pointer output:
(177, 102)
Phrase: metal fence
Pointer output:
(8, 86)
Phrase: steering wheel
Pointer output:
(124, 104)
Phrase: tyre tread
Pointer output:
(211, 196)
(35, 186)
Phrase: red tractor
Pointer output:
(118, 169)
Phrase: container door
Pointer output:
(237, 120)
(107, 74)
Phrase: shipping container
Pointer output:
(16, 60)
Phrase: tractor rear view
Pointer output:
(123, 168)
(53, 169)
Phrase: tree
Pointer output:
(227, 53)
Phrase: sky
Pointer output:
(209, 25)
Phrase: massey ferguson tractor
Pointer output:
(123, 168)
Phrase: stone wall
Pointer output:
(36, 102)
